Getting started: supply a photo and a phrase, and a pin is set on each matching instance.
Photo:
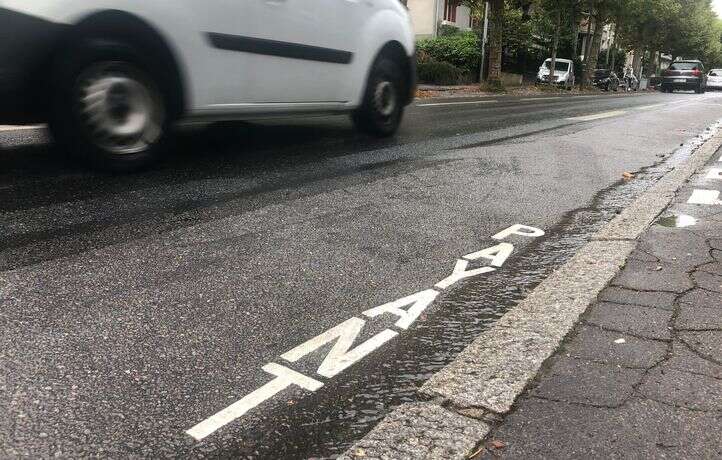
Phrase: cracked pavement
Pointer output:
(641, 374)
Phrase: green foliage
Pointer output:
(439, 73)
(462, 50)
(446, 30)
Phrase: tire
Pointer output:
(382, 108)
(108, 107)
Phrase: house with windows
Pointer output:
(428, 15)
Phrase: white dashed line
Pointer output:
(527, 99)
(438, 104)
(653, 106)
(598, 116)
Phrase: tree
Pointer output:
(496, 26)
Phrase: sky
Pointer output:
(717, 5)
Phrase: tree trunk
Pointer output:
(614, 58)
(588, 43)
(555, 45)
(593, 52)
(637, 61)
(575, 34)
(496, 22)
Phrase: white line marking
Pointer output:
(285, 377)
(653, 106)
(704, 197)
(437, 104)
(526, 99)
(496, 254)
(598, 116)
(341, 356)
(419, 302)
(521, 230)
(19, 128)
(460, 273)
(714, 174)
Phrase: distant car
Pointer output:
(714, 79)
(605, 80)
(563, 73)
(112, 77)
(685, 75)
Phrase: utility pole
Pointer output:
(484, 37)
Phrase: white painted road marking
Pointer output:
(419, 302)
(714, 174)
(521, 230)
(653, 106)
(496, 254)
(704, 197)
(437, 104)
(285, 377)
(340, 357)
(460, 273)
(528, 99)
(598, 116)
(19, 128)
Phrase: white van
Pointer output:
(112, 76)
(563, 73)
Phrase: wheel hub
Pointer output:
(121, 110)
(385, 98)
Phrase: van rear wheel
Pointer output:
(108, 106)
(382, 107)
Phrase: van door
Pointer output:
(300, 50)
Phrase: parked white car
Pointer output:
(714, 79)
(112, 76)
(563, 73)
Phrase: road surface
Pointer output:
(168, 313)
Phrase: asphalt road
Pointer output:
(133, 307)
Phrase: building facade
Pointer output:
(428, 15)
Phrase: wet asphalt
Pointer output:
(134, 306)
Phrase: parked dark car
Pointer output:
(686, 75)
(605, 80)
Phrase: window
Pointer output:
(450, 10)
(684, 66)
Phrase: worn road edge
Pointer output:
(485, 379)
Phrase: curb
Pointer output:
(484, 380)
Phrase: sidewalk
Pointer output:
(641, 375)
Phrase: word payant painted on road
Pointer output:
(343, 336)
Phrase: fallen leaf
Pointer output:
(360, 452)
(620, 341)
(496, 444)
(628, 175)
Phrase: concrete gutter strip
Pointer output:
(497, 366)
(486, 378)
(420, 430)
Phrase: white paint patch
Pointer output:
(714, 174)
(599, 116)
(285, 377)
(620, 341)
(496, 254)
(704, 197)
(419, 302)
(521, 230)
(531, 99)
(341, 355)
(20, 127)
(653, 106)
(439, 104)
(460, 273)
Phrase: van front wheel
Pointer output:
(382, 107)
